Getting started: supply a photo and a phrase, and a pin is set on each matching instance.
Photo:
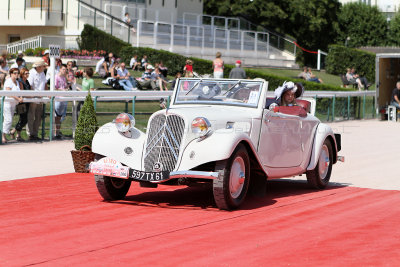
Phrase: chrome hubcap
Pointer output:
(117, 183)
(237, 177)
(324, 162)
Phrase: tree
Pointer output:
(313, 23)
(394, 31)
(361, 25)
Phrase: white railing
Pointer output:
(138, 13)
(186, 37)
(73, 96)
(67, 42)
(33, 43)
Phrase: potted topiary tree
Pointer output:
(85, 129)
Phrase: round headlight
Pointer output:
(200, 126)
(124, 122)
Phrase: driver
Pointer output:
(286, 94)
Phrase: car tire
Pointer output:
(231, 186)
(111, 188)
(318, 178)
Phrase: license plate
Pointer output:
(148, 176)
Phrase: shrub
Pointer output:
(38, 51)
(87, 124)
(340, 57)
(29, 52)
(94, 39)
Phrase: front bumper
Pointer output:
(112, 168)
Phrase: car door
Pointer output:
(280, 140)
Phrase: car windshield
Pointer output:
(218, 92)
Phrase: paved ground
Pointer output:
(371, 148)
(61, 220)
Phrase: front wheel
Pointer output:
(111, 188)
(230, 188)
(319, 177)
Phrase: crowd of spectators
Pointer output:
(113, 73)
(18, 77)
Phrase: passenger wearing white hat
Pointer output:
(286, 94)
(38, 82)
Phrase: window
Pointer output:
(163, 2)
(176, 3)
(13, 38)
(149, 2)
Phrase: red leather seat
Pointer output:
(304, 104)
(293, 110)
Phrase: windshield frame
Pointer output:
(226, 86)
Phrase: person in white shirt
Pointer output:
(11, 84)
(125, 79)
(104, 65)
(38, 82)
(134, 63)
(18, 63)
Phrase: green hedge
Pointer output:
(94, 39)
(340, 57)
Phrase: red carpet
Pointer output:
(61, 221)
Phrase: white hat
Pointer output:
(39, 63)
(296, 88)
(20, 52)
(150, 67)
(47, 51)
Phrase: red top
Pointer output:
(189, 68)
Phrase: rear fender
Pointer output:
(110, 143)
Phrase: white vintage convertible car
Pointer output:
(217, 131)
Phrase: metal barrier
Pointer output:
(48, 97)
(66, 41)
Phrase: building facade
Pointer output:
(22, 19)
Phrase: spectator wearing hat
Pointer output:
(146, 81)
(286, 94)
(46, 57)
(21, 55)
(11, 84)
(38, 82)
(237, 72)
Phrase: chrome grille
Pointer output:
(163, 142)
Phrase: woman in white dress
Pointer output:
(11, 102)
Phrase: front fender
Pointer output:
(323, 131)
(218, 146)
(110, 143)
